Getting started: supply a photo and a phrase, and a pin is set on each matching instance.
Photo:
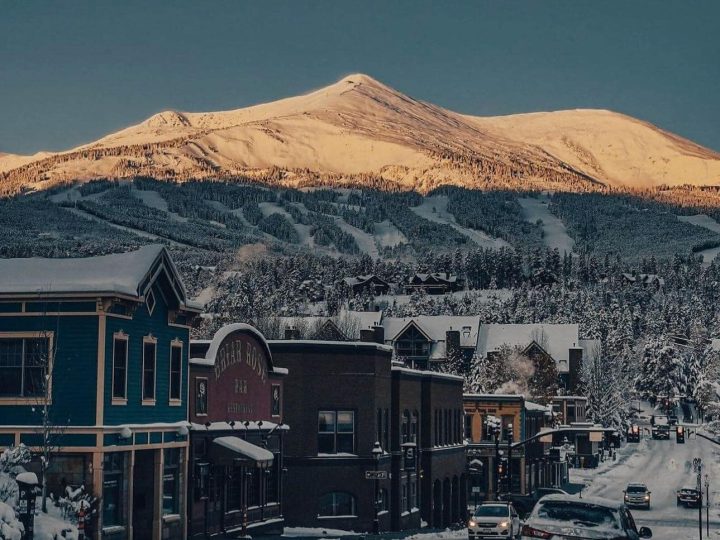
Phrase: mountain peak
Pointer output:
(359, 130)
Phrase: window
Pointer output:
(119, 373)
(176, 350)
(412, 344)
(112, 496)
(275, 396)
(414, 435)
(23, 364)
(382, 500)
(336, 432)
(468, 426)
(413, 493)
(507, 420)
(404, 497)
(386, 430)
(405, 426)
(379, 427)
(201, 396)
(171, 481)
(148, 380)
(337, 503)
(150, 301)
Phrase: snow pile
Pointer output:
(10, 527)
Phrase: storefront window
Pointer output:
(22, 366)
(273, 481)
(253, 486)
(113, 492)
(171, 481)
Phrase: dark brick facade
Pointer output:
(415, 416)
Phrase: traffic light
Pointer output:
(680, 434)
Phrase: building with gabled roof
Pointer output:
(426, 339)
(103, 341)
(435, 283)
(369, 283)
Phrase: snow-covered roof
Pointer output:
(427, 373)
(599, 501)
(120, 273)
(435, 327)
(555, 339)
(245, 448)
(225, 331)
(532, 406)
(347, 321)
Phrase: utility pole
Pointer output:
(707, 506)
(697, 467)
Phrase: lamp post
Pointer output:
(493, 425)
(377, 451)
(509, 457)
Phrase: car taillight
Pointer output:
(531, 532)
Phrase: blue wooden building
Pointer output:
(101, 344)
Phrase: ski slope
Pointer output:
(556, 235)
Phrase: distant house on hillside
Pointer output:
(365, 284)
(425, 340)
(436, 283)
(646, 280)
(559, 342)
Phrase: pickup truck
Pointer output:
(525, 503)
(688, 497)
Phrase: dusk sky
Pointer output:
(71, 72)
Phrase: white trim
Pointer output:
(150, 296)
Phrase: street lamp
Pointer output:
(377, 451)
(494, 427)
(509, 458)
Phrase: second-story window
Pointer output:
(119, 373)
(176, 350)
(23, 365)
(148, 376)
(336, 432)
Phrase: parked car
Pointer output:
(494, 520)
(569, 517)
(688, 497)
(673, 419)
(525, 503)
(633, 433)
(637, 495)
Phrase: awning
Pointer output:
(231, 450)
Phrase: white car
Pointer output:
(494, 520)
(567, 517)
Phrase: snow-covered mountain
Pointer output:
(359, 131)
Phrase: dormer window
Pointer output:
(150, 301)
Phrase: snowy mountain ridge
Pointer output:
(360, 132)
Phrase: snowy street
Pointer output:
(665, 467)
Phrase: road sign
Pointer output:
(376, 475)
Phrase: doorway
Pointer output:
(143, 494)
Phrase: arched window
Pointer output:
(337, 503)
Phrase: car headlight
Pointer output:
(471, 523)
(503, 524)
(647, 497)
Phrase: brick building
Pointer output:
(236, 436)
(343, 397)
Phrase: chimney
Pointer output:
(367, 335)
(379, 334)
(452, 342)
(292, 333)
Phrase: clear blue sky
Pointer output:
(73, 71)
